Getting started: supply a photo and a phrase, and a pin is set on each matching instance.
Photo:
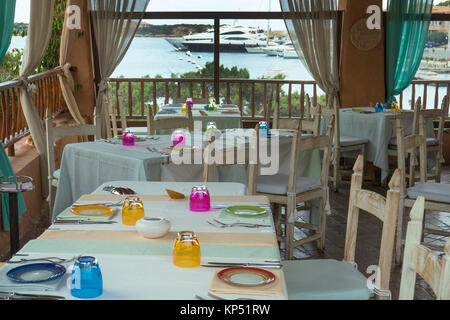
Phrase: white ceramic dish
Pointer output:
(150, 227)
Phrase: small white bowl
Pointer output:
(150, 227)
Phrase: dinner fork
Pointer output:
(48, 259)
(219, 224)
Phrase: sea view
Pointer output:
(151, 56)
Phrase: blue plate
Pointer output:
(36, 272)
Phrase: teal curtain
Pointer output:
(406, 35)
(7, 10)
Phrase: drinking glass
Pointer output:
(128, 138)
(183, 108)
(132, 210)
(263, 128)
(190, 103)
(178, 138)
(186, 250)
(211, 126)
(199, 199)
(86, 279)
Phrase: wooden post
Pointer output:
(216, 60)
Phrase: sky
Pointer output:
(23, 8)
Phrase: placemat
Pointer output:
(231, 238)
(274, 288)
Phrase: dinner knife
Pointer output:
(82, 222)
(15, 295)
(236, 264)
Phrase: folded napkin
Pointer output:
(167, 111)
(7, 285)
(68, 215)
(226, 217)
(274, 288)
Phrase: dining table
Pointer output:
(223, 117)
(86, 166)
(379, 128)
(140, 268)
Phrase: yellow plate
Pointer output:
(359, 110)
(92, 211)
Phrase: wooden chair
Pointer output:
(290, 190)
(434, 145)
(331, 279)
(419, 259)
(436, 194)
(63, 131)
(113, 115)
(169, 123)
(310, 121)
(341, 144)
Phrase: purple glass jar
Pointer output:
(128, 138)
(199, 199)
(178, 138)
(189, 102)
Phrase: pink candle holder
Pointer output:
(128, 138)
(190, 102)
(178, 138)
(199, 199)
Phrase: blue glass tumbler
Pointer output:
(86, 279)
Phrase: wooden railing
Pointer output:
(13, 126)
(255, 98)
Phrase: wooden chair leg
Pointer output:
(336, 171)
(289, 229)
(322, 224)
(399, 236)
(276, 210)
(438, 167)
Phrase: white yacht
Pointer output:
(277, 50)
(232, 39)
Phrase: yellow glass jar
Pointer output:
(186, 250)
(132, 210)
(183, 108)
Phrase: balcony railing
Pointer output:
(13, 126)
(255, 98)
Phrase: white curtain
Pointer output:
(38, 37)
(115, 23)
(312, 27)
(68, 38)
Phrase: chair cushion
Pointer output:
(430, 142)
(352, 141)
(278, 184)
(432, 191)
(324, 279)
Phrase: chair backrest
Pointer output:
(113, 115)
(409, 145)
(169, 123)
(384, 208)
(302, 143)
(419, 259)
(66, 131)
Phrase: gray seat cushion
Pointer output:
(324, 279)
(432, 191)
(430, 142)
(352, 141)
(278, 184)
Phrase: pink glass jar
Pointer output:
(199, 199)
(189, 102)
(178, 138)
(128, 138)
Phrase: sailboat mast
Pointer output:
(268, 28)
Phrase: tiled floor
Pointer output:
(369, 236)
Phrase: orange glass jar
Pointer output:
(186, 250)
(132, 210)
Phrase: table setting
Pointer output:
(168, 234)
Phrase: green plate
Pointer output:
(246, 211)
